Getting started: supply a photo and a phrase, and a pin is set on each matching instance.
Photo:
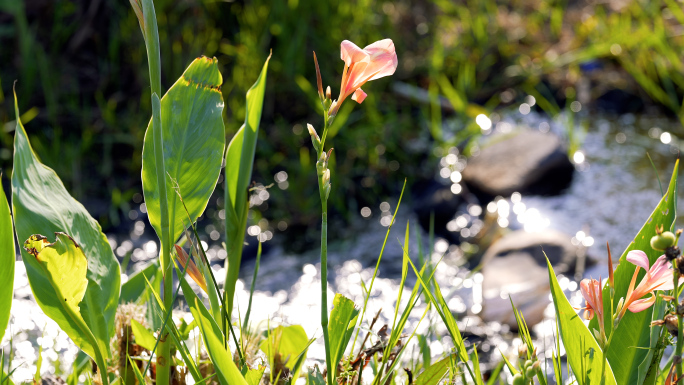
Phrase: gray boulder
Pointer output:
(529, 162)
(515, 266)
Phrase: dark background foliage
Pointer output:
(81, 79)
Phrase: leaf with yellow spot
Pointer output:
(61, 284)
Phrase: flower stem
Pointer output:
(151, 35)
(331, 366)
(680, 325)
(605, 358)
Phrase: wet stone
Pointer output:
(516, 266)
(433, 198)
(527, 162)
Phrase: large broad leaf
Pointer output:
(226, 370)
(59, 284)
(6, 261)
(286, 341)
(41, 205)
(340, 328)
(239, 161)
(629, 346)
(584, 354)
(194, 139)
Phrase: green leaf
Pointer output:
(143, 337)
(632, 337)
(226, 370)
(41, 205)
(253, 376)
(648, 367)
(135, 287)
(239, 161)
(447, 317)
(194, 139)
(4, 376)
(7, 258)
(136, 370)
(287, 341)
(341, 327)
(433, 373)
(583, 353)
(60, 284)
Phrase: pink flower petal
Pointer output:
(638, 258)
(642, 304)
(359, 96)
(356, 77)
(351, 53)
(383, 59)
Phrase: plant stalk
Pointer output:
(151, 33)
(331, 366)
(680, 324)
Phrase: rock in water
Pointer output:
(528, 162)
(431, 197)
(516, 266)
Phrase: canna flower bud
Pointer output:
(319, 81)
(314, 137)
(618, 311)
(333, 109)
(611, 280)
(192, 269)
(137, 8)
(327, 189)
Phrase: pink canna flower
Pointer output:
(362, 65)
(593, 295)
(658, 277)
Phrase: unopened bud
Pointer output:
(326, 177)
(618, 312)
(328, 94)
(522, 351)
(326, 190)
(322, 164)
(137, 8)
(319, 82)
(314, 137)
(333, 108)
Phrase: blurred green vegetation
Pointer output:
(81, 75)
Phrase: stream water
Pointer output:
(613, 191)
